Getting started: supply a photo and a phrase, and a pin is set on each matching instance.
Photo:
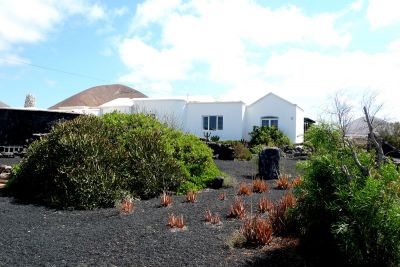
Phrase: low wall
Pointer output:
(18, 125)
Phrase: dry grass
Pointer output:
(191, 197)
(165, 199)
(235, 240)
(222, 196)
(278, 215)
(265, 205)
(244, 189)
(126, 205)
(176, 221)
(283, 182)
(212, 218)
(257, 230)
(297, 181)
(238, 209)
(260, 186)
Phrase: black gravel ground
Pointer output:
(38, 236)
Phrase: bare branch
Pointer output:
(343, 114)
(369, 102)
(372, 137)
(364, 170)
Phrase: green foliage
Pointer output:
(322, 138)
(214, 138)
(87, 162)
(242, 152)
(343, 214)
(257, 149)
(72, 166)
(270, 136)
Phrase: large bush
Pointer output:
(270, 136)
(89, 161)
(343, 213)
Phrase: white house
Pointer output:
(228, 120)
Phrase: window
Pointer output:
(212, 123)
(269, 121)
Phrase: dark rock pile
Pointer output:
(298, 152)
(222, 151)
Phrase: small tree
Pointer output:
(348, 201)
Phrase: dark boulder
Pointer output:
(268, 163)
(390, 150)
(222, 151)
(217, 182)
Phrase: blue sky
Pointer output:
(303, 50)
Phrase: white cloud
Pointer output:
(245, 47)
(30, 21)
(119, 12)
(227, 36)
(27, 24)
(357, 5)
(312, 76)
(394, 45)
(96, 12)
(154, 11)
(383, 13)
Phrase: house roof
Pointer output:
(269, 94)
(3, 105)
(98, 95)
(216, 102)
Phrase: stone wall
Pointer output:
(18, 125)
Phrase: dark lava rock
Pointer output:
(268, 163)
(217, 182)
(390, 150)
(222, 151)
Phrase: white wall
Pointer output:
(170, 111)
(238, 119)
(109, 109)
(272, 105)
(232, 112)
(299, 125)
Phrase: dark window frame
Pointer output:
(213, 122)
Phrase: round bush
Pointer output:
(86, 162)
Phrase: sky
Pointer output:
(305, 51)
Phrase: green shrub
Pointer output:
(257, 149)
(87, 162)
(242, 152)
(72, 166)
(214, 138)
(343, 214)
(270, 136)
(240, 148)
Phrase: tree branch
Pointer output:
(380, 155)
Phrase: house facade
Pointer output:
(230, 120)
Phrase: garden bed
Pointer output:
(35, 235)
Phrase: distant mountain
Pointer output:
(98, 95)
(3, 105)
(359, 127)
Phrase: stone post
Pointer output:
(268, 163)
